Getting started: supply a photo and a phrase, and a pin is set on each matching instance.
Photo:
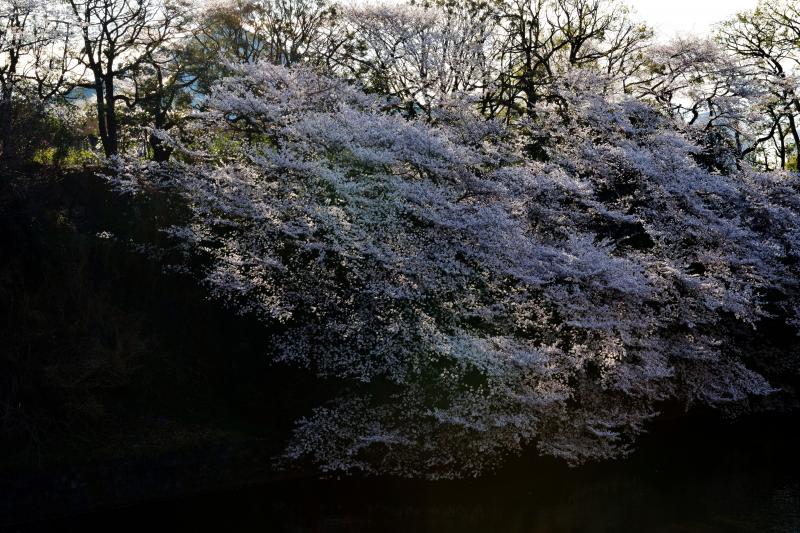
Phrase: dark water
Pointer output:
(686, 476)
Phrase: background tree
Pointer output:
(34, 63)
(710, 94)
(165, 82)
(762, 40)
(283, 32)
(420, 54)
(116, 38)
(542, 39)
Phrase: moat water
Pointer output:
(685, 477)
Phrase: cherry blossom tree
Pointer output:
(472, 301)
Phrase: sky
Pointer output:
(671, 17)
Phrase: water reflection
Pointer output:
(698, 476)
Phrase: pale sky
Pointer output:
(671, 17)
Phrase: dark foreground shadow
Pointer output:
(688, 476)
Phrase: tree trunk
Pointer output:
(99, 90)
(9, 152)
(7, 110)
(112, 147)
(796, 136)
(161, 152)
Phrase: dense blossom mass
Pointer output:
(474, 299)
